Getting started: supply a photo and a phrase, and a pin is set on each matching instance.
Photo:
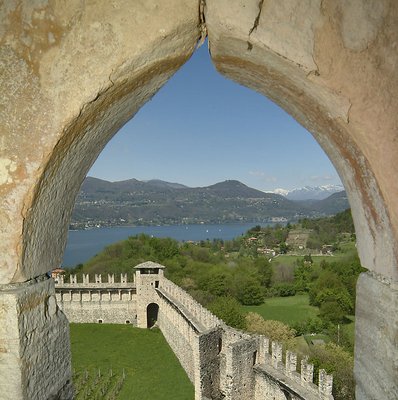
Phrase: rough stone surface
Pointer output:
(308, 68)
(376, 339)
(115, 305)
(71, 75)
(34, 343)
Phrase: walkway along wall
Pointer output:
(221, 362)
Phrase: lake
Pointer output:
(84, 244)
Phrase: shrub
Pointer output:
(285, 289)
(228, 309)
(335, 360)
(274, 330)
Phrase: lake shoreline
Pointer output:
(84, 244)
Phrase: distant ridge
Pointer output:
(235, 189)
(164, 184)
(309, 192)
(157, 202)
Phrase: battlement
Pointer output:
(90, 299)
(96, 281)
(242, 345)
(270, 363)
(204, 344)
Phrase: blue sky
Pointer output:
(201, 128)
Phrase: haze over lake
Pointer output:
(84, 244)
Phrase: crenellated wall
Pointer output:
(232, 364)
(92, 301)
(221, 362)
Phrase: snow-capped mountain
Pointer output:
(309, 192)
(282, 192)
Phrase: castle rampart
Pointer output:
(94, 301)
(221, 362)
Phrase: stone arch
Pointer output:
(87, 68)
(152, 314)
(294, 71)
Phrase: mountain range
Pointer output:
(310, 192)
(156, 202)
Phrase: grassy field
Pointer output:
(142, 363)
(285, 309)
(347, 249)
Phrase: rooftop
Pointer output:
(149, 265)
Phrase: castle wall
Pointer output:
(221, 362)
(99, 309)
(108, 302)
(227, 363)
(208, 378)
(180, 336)
(199, 313)
(239, 375)
(72, 75)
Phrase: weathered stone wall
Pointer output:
(34, 343)
(239, 373)
(180, 336)
(208, 371)
(376, 334)
(116, 308)
(92, 301)
(71, 75)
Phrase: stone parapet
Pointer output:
(35, 345)
(85, 280)
(201, 314)
(276, 376)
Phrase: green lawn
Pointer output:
(151, 369)
(285, 309)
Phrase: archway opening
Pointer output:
(152, 314)
(286, 142)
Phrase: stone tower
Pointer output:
(148, 276)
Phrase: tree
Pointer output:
(264, 270)
(302, 275)
(250, 292)
(332, 311)
(253, 230)
(228, 309)
(310, 325)
(217, 283)
(283, 248)
(274, 330)
(285, 289)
